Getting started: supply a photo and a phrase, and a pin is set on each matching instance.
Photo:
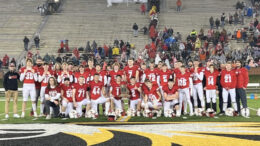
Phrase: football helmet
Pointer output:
(245, 112)
(73, 114)
(210, 112)
(229, 112)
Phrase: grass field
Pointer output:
(252, 103)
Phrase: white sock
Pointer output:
(224, 106)
(41, 108)
(107, 106)
(51, 110)
(234, 105)
(34, 107)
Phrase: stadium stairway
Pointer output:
(17, 19)
(87, 20)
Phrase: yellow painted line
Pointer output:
(101, 123)
(96, 138)
(119, 119)
(126, 119)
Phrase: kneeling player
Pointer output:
(171, 99)
(115, 92)
(211, 83)
(80, 95)
(152, 97)
(135, 101)
(97, 95)
(66, 94)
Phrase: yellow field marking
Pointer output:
(129, 117)
(95, 138)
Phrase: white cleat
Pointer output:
(48, 117)
(6, 116)
(22, 115)
(41, 115)
(138, 113)
(16, 116)
(35, 115)
(191, 114)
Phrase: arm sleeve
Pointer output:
(105, 80)
(35, 76)
(40, 78)
(22, 77)
(143, 78)
(71, 78)
(246, 78)
(108, 80)
(158, 80)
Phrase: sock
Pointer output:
(51, 110)
(34, 107)
(224, 106)
(207, 105)
(107, 105)
(235, 106)
(214, 106)
(41, 108)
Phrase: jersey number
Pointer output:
(227, 78)
(182, 82)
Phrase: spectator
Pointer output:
(236, 19)
(222, 19)
(88, 48)
(11, 87)
(217, 23)
(37, 42)
(26, 43)
(115, 51)
(46, 58)
(143, 9)
(230, 19)
(211, 22)
(178, 3)
(135, 29)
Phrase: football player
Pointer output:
(131, 70)
(28, 77)
(163, 76)
(44, 76)
(211, 84)
(91, 68)
(102, 74)
(66, 95)
(151, 73)
(171, 98)
(81, 73)
(184, 83)
(79, 95)
(64, 74)
(135, 100)
(97, 95)
(197, 74)
(114, 73)
(228, 81)
(115, 92)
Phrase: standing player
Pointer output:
(79, 95)
(64, 74)
(197, 74)
(135, 100)
(151, 73)
(90, 69)
(242, 81)
(211, 84)
(97, 95)
(28, 77)
(171, 96)
(141, 72)
(81, 73)
(66, 95)
(44, 76)
(131, 70)
(114, 73)
(184, 82)
(228, 81)
(102, 74)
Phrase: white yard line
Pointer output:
(252, 109)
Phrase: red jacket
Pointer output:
(228, 79)
(242, 77)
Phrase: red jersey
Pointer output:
(171, 91)
(65, 75)
(95, 89)
(134, 93)
(67, 92)
(211, 79)
(176, 71)
(78, 74)
(242, 77)
(228, 79)
(195, 77)
(151, 75)
(152, 93)
(113, 75)
(130, 72)
(115, 88)
(183, 80)
(53, 92)
(80, 91)
(102, 76)
(91, 72)
(164, 77)
(29, 76)
(44, 79)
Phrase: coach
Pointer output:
(242, 81)
(11, 85)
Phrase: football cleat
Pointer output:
(245, 112)
(16, 116)
(48, 117)
(22, 115)
(73, 114)
(6, 116)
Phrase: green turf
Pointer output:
(251, 103)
